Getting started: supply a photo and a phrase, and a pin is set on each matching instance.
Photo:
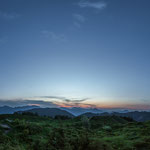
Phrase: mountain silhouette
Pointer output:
(52, 112)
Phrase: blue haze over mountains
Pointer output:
(73, 112)
(76, 111)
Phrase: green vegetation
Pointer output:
(33, 132)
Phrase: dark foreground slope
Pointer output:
(31, 132)
(135, 115)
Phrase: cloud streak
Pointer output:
(96, 5)
(54, 36)
(64, 99)
(21, 102)
(78, 20)
(79, 17)
(57, 102)
(45, 101)
(88, 4)
(9, 16)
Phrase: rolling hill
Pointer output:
(52, 112)
(136, 115)
(11, 110)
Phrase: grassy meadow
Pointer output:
(32, 132)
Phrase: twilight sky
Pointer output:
(76, 52)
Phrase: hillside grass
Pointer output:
(31, 132)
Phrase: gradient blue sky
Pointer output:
(76, 49)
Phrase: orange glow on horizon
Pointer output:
(34, 105)
(99, 106)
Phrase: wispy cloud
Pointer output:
(64, 99)
(24, 102)
(78, 20)
(97, 5)
(89, 4)
(79, 17)
(45, 101)
(54, 36)
(75, 100)
(57, 102)
(81, 105)
(9, 16)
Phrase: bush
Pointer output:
(107, 128)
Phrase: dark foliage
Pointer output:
(31, 132)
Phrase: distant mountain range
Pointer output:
(52, 112)
(11, 110)
(76, 111)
